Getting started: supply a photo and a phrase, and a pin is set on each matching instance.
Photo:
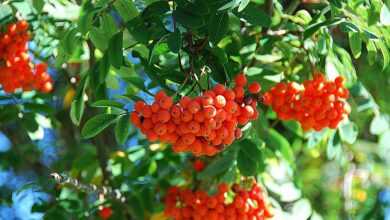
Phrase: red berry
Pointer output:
(105, 213)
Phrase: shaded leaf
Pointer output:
(175, 41)
(122, 129)
(97, 124)
(218, 27)
(355, 43)
(126, 9)
(115, 53)
(219, 165)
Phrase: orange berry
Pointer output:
(231, 107)
(160, 129)
(139, 105)
(193, 107)
(147, 124)
(166, 102)
(151, 135)
(185, 101)
(242, 120)
(47, 87)
(134, 118)
(221, 115)
(247, 111)
(198, 165)
(220, 101)
(229, 94)
(171, 127)
(164, 116)
(146, 111)
(159, 95)
(188, 139)
(219, 89)
(194, 127)
(239, 91)
(176, 111)
(186, 116)
(207, 100)
(199, 116)
(209, 111)
(155, 107)
(105, 213)
(254, 88)
(238, 133)
(240, 80)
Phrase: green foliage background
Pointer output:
(185, 46)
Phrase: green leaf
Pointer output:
(115, 50)
(97, 124)
(256, 16)
(175, 41)
(218, 27)
(101, 36)
(104, 67)
(219, 165)
(313, 28)
(333, 148)
(189, 19)
(5, 13)
(122, 129)
(249, 157)
(38, 5)
(86, 17)
(245, 164)
(126, 9)
(348, 132)
(243, 4)
(379, 125)
(371, 52)
(107, 103)
(294, 127)
(336, 3)
(136, 81)
(385, 53)
(355, 43)
(374, 12)
(68, 41)
(78, 105)
(278, 142)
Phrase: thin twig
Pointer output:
(63, 179)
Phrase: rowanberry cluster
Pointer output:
(16, 70)
(203, 125)
(242, 204)
(316, 103)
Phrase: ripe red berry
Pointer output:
(254, 88)
(240, 80)
(198, 165)
(105, 213)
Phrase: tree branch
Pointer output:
(64, 179)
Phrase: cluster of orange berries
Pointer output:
(16, 70)
(202, 125)
(316, 103)
(185, 204)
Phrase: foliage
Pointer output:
(104, 55)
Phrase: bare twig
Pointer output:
(64, 179)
